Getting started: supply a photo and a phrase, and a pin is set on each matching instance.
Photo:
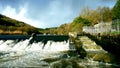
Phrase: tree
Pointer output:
(116, 10)
(98, 15)
(106, 14)
(92, 15)
(78, 23)
(64, 29)
(79, 19)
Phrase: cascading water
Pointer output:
(53, 54)
(15, 53)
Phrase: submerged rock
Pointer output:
(49, 60)
(65, 63)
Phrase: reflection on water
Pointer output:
(15, 53)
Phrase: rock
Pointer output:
(80, 49)
(104, 57)
(65, 63)
(49, 60)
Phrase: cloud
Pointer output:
(21, 15)
(57, 13)
(48, 13)
(54, 15)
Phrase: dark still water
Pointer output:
(44, 52)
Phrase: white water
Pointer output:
(10, 45)
(23, 54)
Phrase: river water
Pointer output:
(54, 54)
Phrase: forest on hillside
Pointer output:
(87, 17)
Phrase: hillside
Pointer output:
(88, 17)
(12, 27)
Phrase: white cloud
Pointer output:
(57, 13)
(46, 14)
(9, 11)
(21, 15)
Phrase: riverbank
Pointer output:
(89, 49)
(109, 43)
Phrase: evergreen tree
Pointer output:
(116, 10)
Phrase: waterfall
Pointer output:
(23, 45)
(49, 54)
(17, 53)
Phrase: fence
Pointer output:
(103, 28)
(116, 25)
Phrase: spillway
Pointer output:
(45, 51)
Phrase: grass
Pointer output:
(11, 26)
(115, 32)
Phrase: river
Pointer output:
(53, 54)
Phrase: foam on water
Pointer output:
(15, 53)
(10, 45)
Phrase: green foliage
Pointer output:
(106, 14)
(98, 15)
(87, 17)
(78, 23)
(115, 33)
(75, 26)
(64, 29)
(80, 20)
(116, 10)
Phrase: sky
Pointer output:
(48, 13)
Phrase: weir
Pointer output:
(50, 51)
(10, 42)
(37, 37)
